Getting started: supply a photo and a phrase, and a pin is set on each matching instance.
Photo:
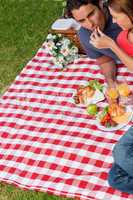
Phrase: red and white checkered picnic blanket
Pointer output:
(49, 144)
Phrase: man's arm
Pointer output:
(108, 68)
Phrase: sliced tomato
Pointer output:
(105, 118)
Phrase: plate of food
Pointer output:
(114, 117)
(91, 93)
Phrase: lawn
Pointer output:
(23, 27)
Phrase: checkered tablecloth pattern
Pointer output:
(49, 144)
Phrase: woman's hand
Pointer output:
(100, 40)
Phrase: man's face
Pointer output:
(89, 16)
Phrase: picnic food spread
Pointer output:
(115, 113)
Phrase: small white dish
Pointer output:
(65, 24)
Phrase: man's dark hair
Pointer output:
(76, 4)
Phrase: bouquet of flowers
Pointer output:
(61, 48)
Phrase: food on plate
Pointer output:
(76, 99)
(113, 115)
(123, 89)
(116, 110)
(84, 93)
(92, 109)
(96, 85)
(122, 118)
(105, 118)
(90, 93)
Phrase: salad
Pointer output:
(113, 114)
(105, 118)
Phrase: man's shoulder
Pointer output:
(111, 27)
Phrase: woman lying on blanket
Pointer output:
(121, 173)
(122, 13)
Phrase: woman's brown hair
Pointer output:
(125, 6)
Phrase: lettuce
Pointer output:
(96, 85)
(104, 112)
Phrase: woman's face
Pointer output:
(121, 19)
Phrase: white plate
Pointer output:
(119, 126)
(65, 24)
(61, 24)
(97, 97)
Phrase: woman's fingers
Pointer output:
(99, 39)
(100, 32)
(95, 33)
(94, 36)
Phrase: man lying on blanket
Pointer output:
(91, 14)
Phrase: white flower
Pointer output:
(60, 58)
(66, 41)
(60, 35)
(59, 64)
(74, 50)
(50, 44)
(62, 49)
(50, 36)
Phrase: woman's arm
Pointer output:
(100, 40)
(125, 58)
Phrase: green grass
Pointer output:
(8, 192)
(23, 27)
